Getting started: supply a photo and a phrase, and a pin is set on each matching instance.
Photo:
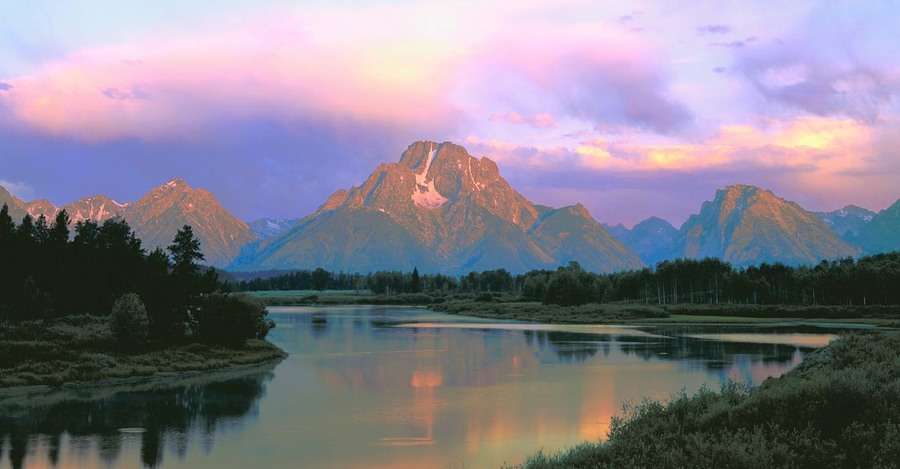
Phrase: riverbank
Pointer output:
(838, 408)
(78, 350)
(510, 307)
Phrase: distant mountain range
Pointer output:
(156, 217)
(442, 210)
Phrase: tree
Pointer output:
(7, 226)
(226, 319)
(185, 250)
(59, 231)
(129, 322)
(320, 278)
(415, 283)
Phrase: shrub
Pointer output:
(129, 322)
(227, 319)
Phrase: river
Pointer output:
(396, 387)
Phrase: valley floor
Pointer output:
(79, 349)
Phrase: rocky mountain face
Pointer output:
(847, 222)
(271, 227)
(882, 233)
(156, 217)
(15, 205)
(653, 239)
(441, 210)
(747, 225)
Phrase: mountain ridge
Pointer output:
(155, 217)
(454, 213)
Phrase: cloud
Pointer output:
(714, 29)
(124, 95)
(839, 62)
(736, 44)
(5, 86)
(583, 73)
(18, 189)
(337, 64)
(541, 120)
(825, 88)
(816, 151)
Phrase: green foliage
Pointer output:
(129, 322)
(47, 273)
(229, 319)
(320, 279)
(839, 408)
(867, 281)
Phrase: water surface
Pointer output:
(396, 387)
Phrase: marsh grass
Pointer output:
(79, 349)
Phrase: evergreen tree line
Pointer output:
(46, 271)
(866, 281)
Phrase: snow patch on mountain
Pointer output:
(425, 194)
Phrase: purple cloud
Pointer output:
(125, 95)
(824, 88)
(714, 29)
(5, 86)
(736, 44)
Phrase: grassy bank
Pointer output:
(81, 349)
(537, 312)
(839, 408)
(341, 297)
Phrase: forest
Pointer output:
(865, 281)
(48, 272)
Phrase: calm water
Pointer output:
(395, 387)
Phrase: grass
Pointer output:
(537, 312)
(341, 297)
(80, 349)
(840, 408)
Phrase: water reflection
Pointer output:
(399, 387)
(34, 431)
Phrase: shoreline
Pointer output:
(100, 389)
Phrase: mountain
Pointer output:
(653, 239)
(847, 222)
(98, 208)
(159, 214)
(271, 227)
(441, 210)
(156, 217)
(882, 233)
(15, 205)
(748, 225)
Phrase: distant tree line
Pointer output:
(868, 280)
(46, 271)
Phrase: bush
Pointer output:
(129, 322)
(226, 319)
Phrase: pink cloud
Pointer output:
(379, 64)
(541, 120)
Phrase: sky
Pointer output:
(633, 109)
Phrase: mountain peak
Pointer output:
(746, 224)
(441, 209)
(175, 183)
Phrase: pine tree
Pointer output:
(415, 282)
(185, 250)
(7, 226)
(59, 231)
